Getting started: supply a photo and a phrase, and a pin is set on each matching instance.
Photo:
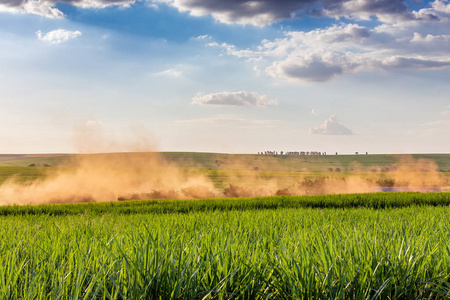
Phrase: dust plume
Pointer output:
(408, 174)
(109, 176)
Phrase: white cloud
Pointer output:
(47, 8)
(57, 36)
(396, 62)
(234, 98)
(202, 37)
(439, 10)
(331, 127)
(153, 6)
(36, 7)
(311, 67)
(314, 112)
(429, 38)
(390, 11)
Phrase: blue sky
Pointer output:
(225, 76)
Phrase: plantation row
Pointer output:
(371, 200)
(272, 254)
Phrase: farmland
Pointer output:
(247, 162)
(340, 246)
(276, 248)
(258, 174)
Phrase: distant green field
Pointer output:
(23, 160)
(214, 161)
(251, 162)
(22, 174)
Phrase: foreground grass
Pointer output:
(360, 253)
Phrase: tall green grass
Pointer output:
(286, 253)
(371, 200)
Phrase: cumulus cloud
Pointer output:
(47, 8)
(322, 54)
(234, 98)
(413, 63)
(311, 67)
(57, 36)
(37, 7)
(256, 12)
(439, 10)
(390, 11)
(331, 127)
(261, 13)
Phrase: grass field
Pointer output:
(360, 247)
(343, 246)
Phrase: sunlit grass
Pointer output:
(243, 251)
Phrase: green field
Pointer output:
(248, 162)
(342, 246)
(375, 246)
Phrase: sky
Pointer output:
(230, 76)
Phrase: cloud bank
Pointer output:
(322, 54)
(253, 12)
(234, 98)
(331, 127)
(407, 37)
(261, 13)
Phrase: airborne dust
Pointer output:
(135, 171)
(143, 174)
